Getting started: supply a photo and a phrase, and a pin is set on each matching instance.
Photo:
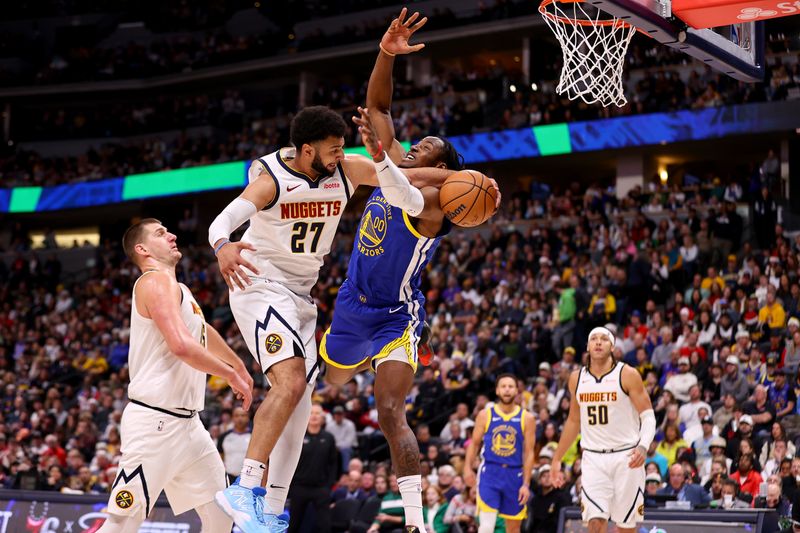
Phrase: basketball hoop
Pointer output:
(594, 50)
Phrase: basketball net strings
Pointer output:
(594, 55)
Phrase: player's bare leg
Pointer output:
(513, 526)
(392, 383)
(340, 376)
(288, 380)
(600, 525)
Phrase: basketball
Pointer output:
(467, 198)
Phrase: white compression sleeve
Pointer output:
(648, 430)
(397, 190)
(234, 215)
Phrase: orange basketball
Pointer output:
(467, 198)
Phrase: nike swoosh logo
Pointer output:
(393, 311)
(384, 168)
(273, 486)
(290, 189)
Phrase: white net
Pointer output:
(594, 51)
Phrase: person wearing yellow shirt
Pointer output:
(712, 278)
(95, 363)
(603, 306)
(673, 441)
(772, 313)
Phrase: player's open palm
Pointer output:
(242, 385)
(231, 262)
(395, 40)
(368, 137)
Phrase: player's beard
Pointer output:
(509, 402)
(317, 165)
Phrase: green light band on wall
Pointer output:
(553, 139)
(184, 180)
(24, 199)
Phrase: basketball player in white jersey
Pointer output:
(294, 201)
(612, 411)
(164, 444)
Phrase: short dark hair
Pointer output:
(450, 156)
(316, 123)
(505, 375)
(133, 236)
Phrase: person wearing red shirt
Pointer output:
(747, 478)
(54, 449)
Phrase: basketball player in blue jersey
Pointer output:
(611, 410)
(508, 435)
(380, 311)
(293, 202)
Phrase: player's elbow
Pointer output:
(179, 347)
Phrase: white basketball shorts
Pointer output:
(164, 452)
(277, 324)
(611, 489)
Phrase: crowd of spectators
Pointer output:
(456, 102)
(710, 320)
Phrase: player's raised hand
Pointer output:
(368, 137)
(242, 385)
(231, 262)
(637, 456)
(395, 40)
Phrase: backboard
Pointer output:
(736, 50)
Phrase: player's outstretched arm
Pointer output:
(474, 447)
(218, 347)
(362, 171)
(572, 426)
(158, 298)
(632, 383)
(379, 90)
(255, 197)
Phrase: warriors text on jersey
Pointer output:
(158, 377)
(609, 420)
(504, 437)
(294, 232)
(389, 254)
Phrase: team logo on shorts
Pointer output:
(124, 499)
(273, 343)
(640, 510)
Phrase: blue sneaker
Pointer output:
(276, 523)
(245, 507)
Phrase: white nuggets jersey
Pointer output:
(294, 232)
(609, 420)
(158, 377)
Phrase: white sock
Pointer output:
(411, 493)
(252, 473)
(487, 522)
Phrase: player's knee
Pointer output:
(295, 388)
(391, 414)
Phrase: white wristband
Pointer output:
(234, 215)
(647, 432)
(397, 190)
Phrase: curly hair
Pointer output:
(450, 156)
(316, 123)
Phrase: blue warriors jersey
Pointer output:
(500, 474)
(389, 253)
(503, 438)
(380, 308)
